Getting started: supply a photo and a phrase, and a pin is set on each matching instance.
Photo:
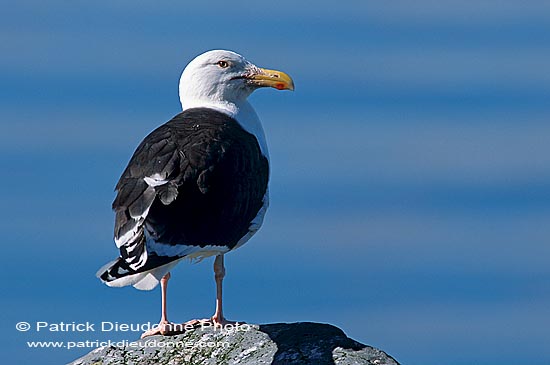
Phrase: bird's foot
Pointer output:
(164, 328)
(214, 321)
(221, 321)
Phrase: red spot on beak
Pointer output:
(280, 86)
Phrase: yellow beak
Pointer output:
(272, 78)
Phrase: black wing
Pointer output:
(197, 180)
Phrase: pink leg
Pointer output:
(219, 274)
(164, 327)
(218, 318)
(163, 289)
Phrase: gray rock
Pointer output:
(279, 344)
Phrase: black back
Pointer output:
(216, 180)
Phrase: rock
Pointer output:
(279, 344)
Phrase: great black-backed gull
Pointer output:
(196, 186)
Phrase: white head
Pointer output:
(223, 77)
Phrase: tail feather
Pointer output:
(118, 273)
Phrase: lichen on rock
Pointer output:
(301, 343)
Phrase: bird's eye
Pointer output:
(223, 64)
